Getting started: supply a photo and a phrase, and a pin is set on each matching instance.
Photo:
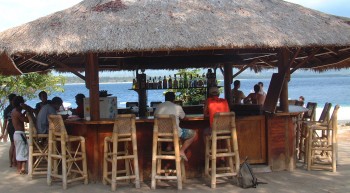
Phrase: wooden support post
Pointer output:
(142, 92)
(92, 83)
(284, 68)
(227, 81)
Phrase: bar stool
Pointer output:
(124, 132)
(166, 131)
(301, 131)
(322, 148)
(38, 149)
(224, 128)
(324, 119)
(67, 150)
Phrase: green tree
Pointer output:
(27, 85)
(190, 96)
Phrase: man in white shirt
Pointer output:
(170, 108)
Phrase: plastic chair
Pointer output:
(69, 151)
(224, 129)
(38, 149)
(124, 132)
(165, 131)
(322, 148)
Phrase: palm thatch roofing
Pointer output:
(170, 34)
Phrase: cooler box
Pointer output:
(108, 107)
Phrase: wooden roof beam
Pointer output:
(23, 59)
(38, 62)
(331, 61)
(61, 64)
(244, 68)
(304, 61)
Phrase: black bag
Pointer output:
(246, 177)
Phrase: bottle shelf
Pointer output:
(170, 88)
(174, 88)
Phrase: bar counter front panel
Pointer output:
(251, 134)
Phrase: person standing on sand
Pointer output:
(18, 119)
(8, 128)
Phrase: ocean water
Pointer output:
(315, 89)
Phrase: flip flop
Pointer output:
(23, 172)
(183, 156)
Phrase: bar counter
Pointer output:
(265, 139)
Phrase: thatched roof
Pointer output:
(119, 27)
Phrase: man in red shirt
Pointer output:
(214, 104)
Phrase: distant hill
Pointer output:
(127, 76)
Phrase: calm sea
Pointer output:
(315, 89)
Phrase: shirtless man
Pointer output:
(237, 95)
(256, 97)
(18, 119)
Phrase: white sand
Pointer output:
(343, 113)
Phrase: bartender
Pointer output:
(79, 111)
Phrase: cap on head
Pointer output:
(214, 91)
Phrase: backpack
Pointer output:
(246, 177)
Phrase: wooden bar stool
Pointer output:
(322, 144)
(124, 132)
(224, 129)
(38, 149)
(166, 131)
(324, 119)
(301, 132)
(67, 150)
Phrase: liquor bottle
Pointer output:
(195, 81)
(200, 81)
(165, 83)
(170, 82)
(176, 83)
(154, 84)
(149, 83)
(134, 83)
(204, 80)
(185, 81)
(181, 82)
(159, 83)
(190, 81)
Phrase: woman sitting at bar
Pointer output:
(255, 98)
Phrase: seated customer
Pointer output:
(213, 105)
(170, 108)
(237, 95)
(43, 97)
(255, 98)
(79, 99)
(48, 109)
